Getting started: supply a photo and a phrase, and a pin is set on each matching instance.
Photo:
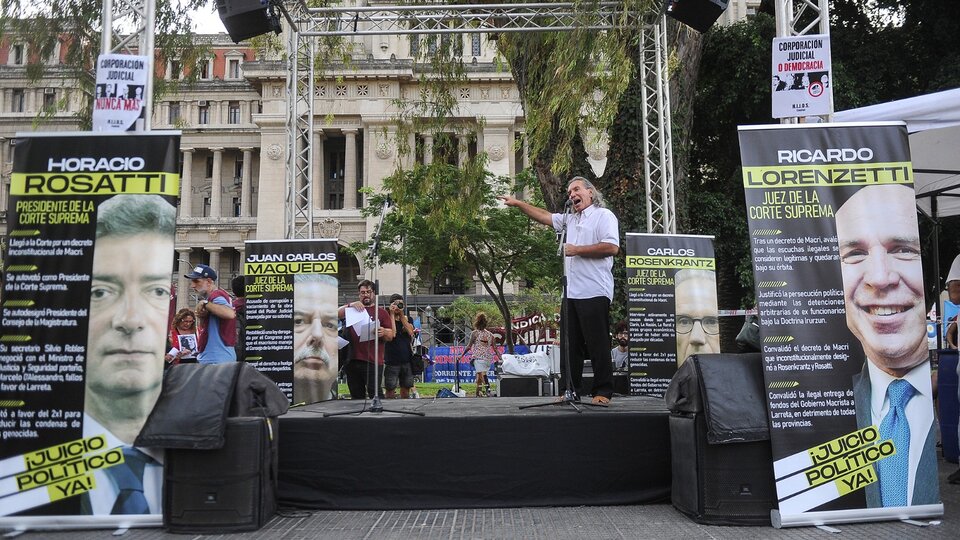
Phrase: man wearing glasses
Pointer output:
(698, 328)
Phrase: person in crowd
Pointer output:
(484, 346)
(238, 285)
(366, 364)
(593, 239)
(183, 338)
(621, 353)
(883, 298)
(398, 370)
(315, 357)
(129, 305)
(779, 84)
(953, 295)
(698, 327)
(217, 321)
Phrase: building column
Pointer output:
(215, 261)
(186, 184)
(462, 151)
(244, 112)
(216, 183)
(222, 110)
(350, 170)
(427, 149)
(319, 180)
(245, 188)
(183, 284)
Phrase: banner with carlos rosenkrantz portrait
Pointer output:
(86, 301)
(839, 285)
(672, 300)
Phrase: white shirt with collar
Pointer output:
(589, 277)
(103, 496)
(919, 410)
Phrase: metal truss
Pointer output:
(132, 23)
(306, 24)
(657, 129)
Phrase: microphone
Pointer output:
(568, 205)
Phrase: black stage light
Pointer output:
(245, 19)
(697, 14)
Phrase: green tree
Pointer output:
(448, 216)
(74, 25)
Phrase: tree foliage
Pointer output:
(447, 216)
(75, 25)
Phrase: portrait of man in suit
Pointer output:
(129, 303)
(883, 295)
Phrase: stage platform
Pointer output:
(474, 453)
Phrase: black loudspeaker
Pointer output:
(519, 386)
(720, 484)
(226, 490)
(697, 14)
(245, 19)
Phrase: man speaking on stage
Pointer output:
(883, 295)
(593, 239)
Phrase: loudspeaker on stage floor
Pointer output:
(230, 489)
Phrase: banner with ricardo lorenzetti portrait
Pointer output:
(291, 336)
(672, 300)
(86, 300)
(839, 284)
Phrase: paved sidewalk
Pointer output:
(655, 521)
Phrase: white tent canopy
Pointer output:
(933, 121)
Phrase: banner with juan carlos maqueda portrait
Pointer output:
(672, 301)
(86, 300)
(839, 285)
(291, 290)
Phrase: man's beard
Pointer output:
(623, 342)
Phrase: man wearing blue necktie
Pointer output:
(129, 303)
(883, 295)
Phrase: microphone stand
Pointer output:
(376, 404)
(569, 394)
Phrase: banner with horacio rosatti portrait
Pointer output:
(86, 299)
(839, 285)
(672, 300)
(291, 305)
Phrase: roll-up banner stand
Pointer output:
(839, 284)
(672, 301)
(291, 290)
(86, 300)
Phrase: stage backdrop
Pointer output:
(670, 278)
(91, 224)
(291, 299)
(836, 256)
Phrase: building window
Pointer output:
(363, 90)
(17, 100)
(233, 68)
(236, 207)
(475, 45)
(205, 69)
(334, 183)
(175, 69)
(203, 114)
(414, 45)
(49, 98)
(206, 207)
(17, 56)
(174, 115)
(233, 112)
(209, 169)
(237, 172)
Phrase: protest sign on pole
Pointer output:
(801, 76)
